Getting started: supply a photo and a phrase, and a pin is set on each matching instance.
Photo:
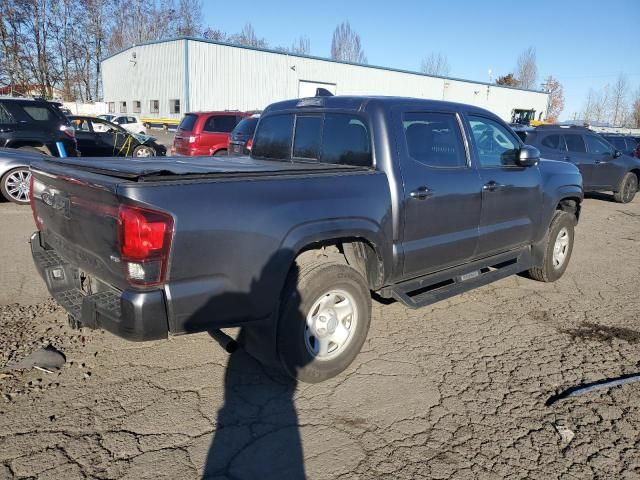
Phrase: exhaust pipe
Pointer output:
(225, 341)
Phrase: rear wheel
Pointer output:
(628, 188)
(324, 321)
(15, 185)
(144, 151)
(558, 249)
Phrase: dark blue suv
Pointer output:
(603, 167)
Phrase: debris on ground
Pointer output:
(48, 358)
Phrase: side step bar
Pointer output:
(438, 286)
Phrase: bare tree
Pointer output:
(189, 18)
(508, 80)
(556, 98)
(601, 104)
(302, 46)
(435, 64)
(634, 119)
(527, 68)
(346, 45)
(619, 94)
(248, 37)
(216, 35)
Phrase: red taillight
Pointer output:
(249, 144)
(145, 239)
(32, 202)
(68, 131)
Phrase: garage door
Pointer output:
(308, 89)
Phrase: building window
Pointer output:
(154, 106)
(174, 106)
(112, 107)
(137, 106)
(123, 107)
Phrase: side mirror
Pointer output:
(616, 153)
(528, 156)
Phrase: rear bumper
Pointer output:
(129, 314)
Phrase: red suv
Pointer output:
(205, 133)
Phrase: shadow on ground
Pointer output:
(256, 434)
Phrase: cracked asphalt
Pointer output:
(454, 390)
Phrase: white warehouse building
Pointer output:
(160, 81)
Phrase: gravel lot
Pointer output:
(457, 389)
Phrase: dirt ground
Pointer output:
(455, 390)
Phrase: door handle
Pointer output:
(421, 193)
(6, 130)
(567, 158)
(492, 186)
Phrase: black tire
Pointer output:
(220, 153)
(627, 189)
(307, 285)
(549, 272)
(141, 149)
(19, 197)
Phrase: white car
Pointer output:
(128, 122)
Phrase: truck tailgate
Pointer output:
(78, 217)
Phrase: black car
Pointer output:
(241, 138)
(623, 143)
(35, 125)
(603, 167)
(100, 138)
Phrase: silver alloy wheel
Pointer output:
(631, 188)
(16, 184)
(561, 248)
(144, 152)
(331, 323)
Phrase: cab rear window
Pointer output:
(327, 138)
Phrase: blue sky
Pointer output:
(582, 43)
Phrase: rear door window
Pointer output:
(187, 123)
(434, 139)
(574, 143)
(220, 123)
(40, 113)
(307, 136)
(273, 138)
(554, 142)
(345, 140)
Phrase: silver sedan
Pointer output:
(15, 174)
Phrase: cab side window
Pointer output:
(495, 145)
(598, 146)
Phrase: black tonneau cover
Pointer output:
(167, 168)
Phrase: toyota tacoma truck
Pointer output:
(413, 200)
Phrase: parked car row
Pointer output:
(603, 165)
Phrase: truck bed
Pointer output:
(166, 168)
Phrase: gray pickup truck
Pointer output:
(413, 200)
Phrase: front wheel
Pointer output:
(15, 185)
(144, 151)
(628, 188)
(324, 321)
(558, 249)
